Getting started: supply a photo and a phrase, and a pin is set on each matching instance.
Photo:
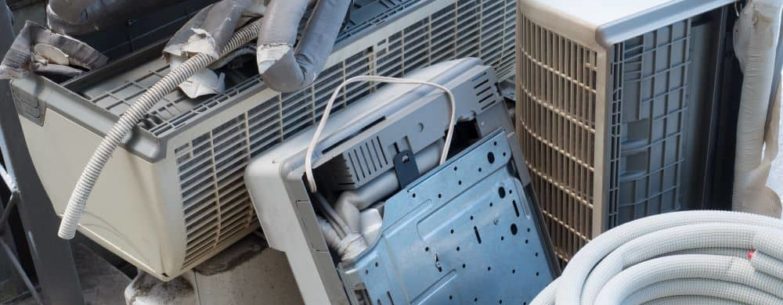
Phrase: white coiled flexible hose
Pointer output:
(76, 204)
(695, 257)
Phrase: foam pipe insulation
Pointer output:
(694, 257)
(207, 33)
(330, 234)
(284, 66)
(210, 29)
(690, 300)
(77, 17)
(350, 204)
(757, 34)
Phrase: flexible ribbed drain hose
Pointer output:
(131, 117)
(695, 257)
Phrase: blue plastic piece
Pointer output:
(461, 234)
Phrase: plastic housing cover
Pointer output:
(603, 99)
(275, 179)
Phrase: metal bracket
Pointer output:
(406, 168)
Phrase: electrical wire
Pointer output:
(382, 79)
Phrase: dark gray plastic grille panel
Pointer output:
(210, 168)
(357, 166)
(556, 111)
(649, 108)
(485, 91)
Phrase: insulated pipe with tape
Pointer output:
(286, 65)
(757, 36)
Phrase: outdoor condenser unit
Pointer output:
(464, 232)
(616, 108)
(173, 196)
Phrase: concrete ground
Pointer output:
(102, 284)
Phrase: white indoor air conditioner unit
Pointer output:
(415, 231)
(173, 195)
(617, 108)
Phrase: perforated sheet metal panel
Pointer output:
(211, 166)
(460, 235)
(559, 96)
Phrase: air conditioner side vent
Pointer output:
(358, 165)
(486, 91)
(633, 106)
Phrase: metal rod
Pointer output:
(7, 211)
(9, 181)
(18, 267)
(51, 256)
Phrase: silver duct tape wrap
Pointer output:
(211, 28)
(41, 51)
(287, 67)
(208, 33)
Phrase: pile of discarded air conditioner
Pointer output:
(697, 257)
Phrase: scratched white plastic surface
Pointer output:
(776, 176)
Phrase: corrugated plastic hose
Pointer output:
(131, 117)
(691, 300)
(695, 257)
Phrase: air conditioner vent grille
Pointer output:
(358, 165)
(643, 113)
(215, 202)
(558, 100)
(485, 91)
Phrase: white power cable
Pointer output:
(382, 79)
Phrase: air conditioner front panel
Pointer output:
(603, 129)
